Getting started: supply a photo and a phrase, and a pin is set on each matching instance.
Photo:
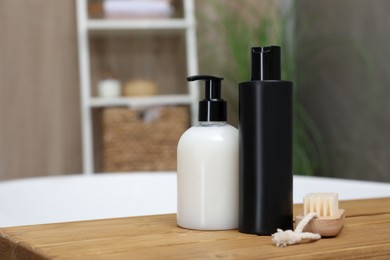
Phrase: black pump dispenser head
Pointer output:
(265, 63)
(212, 107)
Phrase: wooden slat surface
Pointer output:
(366, 233)
(39, 89)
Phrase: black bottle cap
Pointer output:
(265, 63)
(212, 107)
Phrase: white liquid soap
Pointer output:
(207, 167)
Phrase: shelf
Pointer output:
(134, 48)
(141, 101)
(138, 24)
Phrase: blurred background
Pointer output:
(335, 51)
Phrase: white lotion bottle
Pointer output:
(207, 166)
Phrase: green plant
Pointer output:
(240, 31)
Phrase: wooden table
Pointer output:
(366, 233)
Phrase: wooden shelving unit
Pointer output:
(93, 33)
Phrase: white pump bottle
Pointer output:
(207, 166)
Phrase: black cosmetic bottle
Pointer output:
(265, 137)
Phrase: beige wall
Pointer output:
(39, 96)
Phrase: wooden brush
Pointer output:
(330, 219)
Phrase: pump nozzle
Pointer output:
(212, 107)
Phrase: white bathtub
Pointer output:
(79, 197)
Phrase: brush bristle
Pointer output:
(324, 204)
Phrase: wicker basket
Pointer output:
(144, 140)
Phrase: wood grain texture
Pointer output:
(325, 226)
(365, 234)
